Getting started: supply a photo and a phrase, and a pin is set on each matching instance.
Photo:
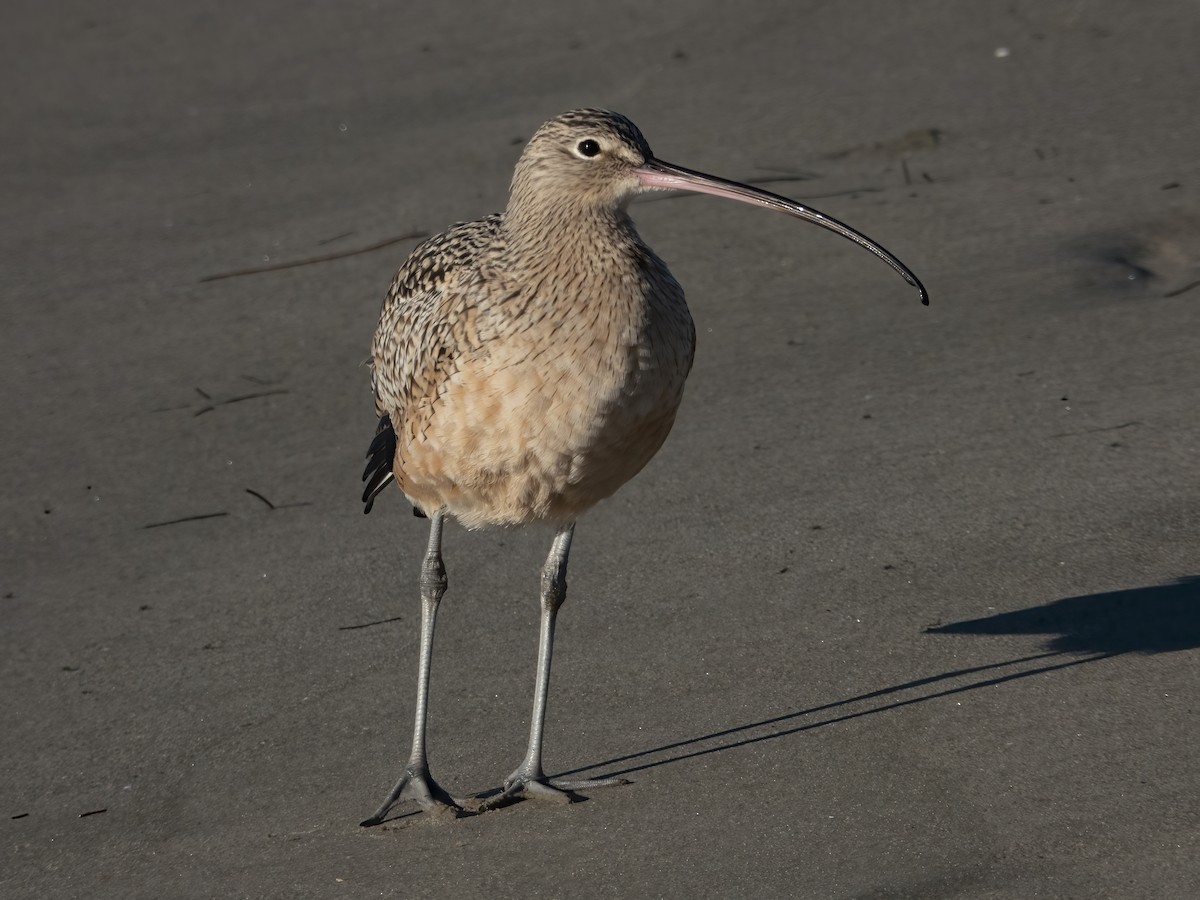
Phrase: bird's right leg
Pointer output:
(415, 781)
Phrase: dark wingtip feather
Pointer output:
(383, 447)
(380, 458)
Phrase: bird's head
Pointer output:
(585, 157)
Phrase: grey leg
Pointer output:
(415, 781)
(529, 779)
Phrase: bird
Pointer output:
(528, 364)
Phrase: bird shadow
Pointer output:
(1158, 619)
(1086, 629)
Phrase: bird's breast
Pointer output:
(569, 393)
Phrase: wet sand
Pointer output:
(906, 606)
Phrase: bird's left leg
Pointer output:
(529, 779)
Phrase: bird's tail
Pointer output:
(380, 458)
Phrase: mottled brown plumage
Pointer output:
(528, 364)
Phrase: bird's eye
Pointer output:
(588, 148)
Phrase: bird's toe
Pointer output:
(417, 784)
(521, 786)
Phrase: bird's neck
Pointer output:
(568, 234)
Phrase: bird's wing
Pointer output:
(423, 329)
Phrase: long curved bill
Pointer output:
(656, 174)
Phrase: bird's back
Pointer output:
(421, 323)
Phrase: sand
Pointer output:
(906, 606)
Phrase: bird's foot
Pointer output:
(417, 784)
(523, 784)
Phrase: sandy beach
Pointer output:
(908, 606)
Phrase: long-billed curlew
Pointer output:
(527, 365)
